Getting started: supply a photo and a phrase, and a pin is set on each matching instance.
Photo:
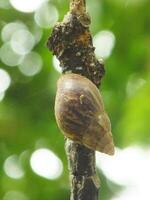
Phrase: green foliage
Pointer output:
(27, 115)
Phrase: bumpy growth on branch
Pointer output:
(71, 42)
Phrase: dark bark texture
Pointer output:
(84, 181)
(71, 42)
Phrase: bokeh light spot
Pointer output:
(26, 5)
(15, 195)
(9, 29)
(104, 41)
(13, 168)
(2, 95)
(5, 80)
(46, 16)
(37, 33)
(31, 64)
(4, 4)
(8, 56)
(127, 167)
(46, 164)
(22, 42)
(134, 84)
(56, 64)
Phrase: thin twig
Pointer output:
(78, 6)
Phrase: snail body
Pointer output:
(80, 113)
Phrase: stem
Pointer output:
(71, 42)
(84, 181)
(78, 6)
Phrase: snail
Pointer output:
(80, 113)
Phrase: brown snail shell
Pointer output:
(80, 113)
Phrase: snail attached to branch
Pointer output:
(79, 108)
(80, 113)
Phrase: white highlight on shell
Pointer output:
(5, 81)
(13, 168)
(46, 164)
(46, 16)
(104, 41)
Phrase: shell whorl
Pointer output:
(80, 114)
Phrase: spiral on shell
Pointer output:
(80, 113)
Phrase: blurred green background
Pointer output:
(33, 164)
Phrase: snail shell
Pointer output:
(80, 113)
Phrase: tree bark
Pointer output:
(71, 42)
(84, 181)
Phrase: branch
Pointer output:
(77, 6)
(71, 42)
(84, 181)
